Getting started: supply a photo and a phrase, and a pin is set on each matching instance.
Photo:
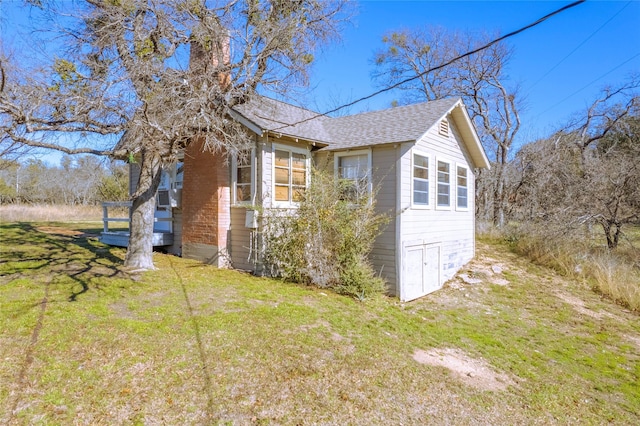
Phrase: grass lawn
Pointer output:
(82, 342)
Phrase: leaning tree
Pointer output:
(162, 75)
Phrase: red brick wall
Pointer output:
(206, 197)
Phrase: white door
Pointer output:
(413, 276)
(431, 268)
(421, 271)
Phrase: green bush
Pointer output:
(327, 239)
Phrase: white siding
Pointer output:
(242, 241)
(451, 229)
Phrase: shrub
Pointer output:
(327, 240)
(614, 278)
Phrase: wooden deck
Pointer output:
(120, 238)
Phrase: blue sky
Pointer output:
(560, 64)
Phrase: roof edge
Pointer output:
(468, 130)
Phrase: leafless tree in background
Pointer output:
(588, 172)
(479, 79)
(125, 68)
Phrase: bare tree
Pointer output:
(588, 172)
(479, 79)
(165, 73)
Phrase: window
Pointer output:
(353, 169)
(420, 180)
(243, 180)
(462, 189)
(444, 184)
(290, 174)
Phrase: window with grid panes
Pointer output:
(444, 184)
(462, 188)
(244, 174)
(290, 175)
(353, 171)
(420, 180)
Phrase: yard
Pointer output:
(83, 342)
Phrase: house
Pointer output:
(421, 157)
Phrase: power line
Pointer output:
(579, 46)
(589, 84)
(457, 58)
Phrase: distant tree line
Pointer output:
(84, 180)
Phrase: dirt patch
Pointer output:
(579, 306)
(482, 269)
(635, 340)
(121, 310)
(471, 371)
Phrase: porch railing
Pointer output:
(106, 205)
(115, 204)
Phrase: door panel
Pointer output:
(413, 272)
(421, 271)
(432, 269)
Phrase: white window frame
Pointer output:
(429, 179)
(291, 149)
(352, 153)
(466, 169)
(234, 180)
(437, 182)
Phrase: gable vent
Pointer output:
(444, 128)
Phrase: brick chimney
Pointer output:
(213, 59)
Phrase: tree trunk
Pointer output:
(140, 249)
(612, 232)
(498, 197)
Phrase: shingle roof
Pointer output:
(281, 117)
(399, 124)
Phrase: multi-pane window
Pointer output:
(243, 176)
(420, 180)
(353, 171)
(462, 189)
(444, 184)
(290, 170)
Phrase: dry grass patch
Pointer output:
(48, 213)
(611, 272)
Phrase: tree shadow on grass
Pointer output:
(52, 250)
